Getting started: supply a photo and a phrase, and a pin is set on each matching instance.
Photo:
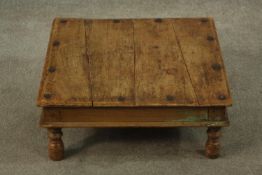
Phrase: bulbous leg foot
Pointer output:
(55, 144)
(212, 144)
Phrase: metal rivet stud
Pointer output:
(158, 20)
(63, 21)
(47, 95)
(51, 69)
(116, 21)
(56, 43)
(204, 20)
(120, 98)
(155, 47)
(210, 38)
(221, 97)
(170, 98)
(216, 67)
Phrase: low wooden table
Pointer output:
(133, 73)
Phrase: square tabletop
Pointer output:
(134, 62)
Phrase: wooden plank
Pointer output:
(160, 72)
(65, 77)
(111, 52)
(127, 117)
(124, 114)
(200, 48)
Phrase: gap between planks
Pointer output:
(89, 66)
(182, 55)
(134, 46)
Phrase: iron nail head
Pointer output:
(56, 43)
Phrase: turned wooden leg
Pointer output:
(55, 144)
(212, 144)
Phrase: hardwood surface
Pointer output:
(110, 51)
(134, 62)
(131, 117)
(66, 71)
(201, 52)
(160, 71)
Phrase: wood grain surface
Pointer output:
(130, 117)
(65, 77)
(200, 48)
(160, 71)
(134, 62)
(110, 50)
